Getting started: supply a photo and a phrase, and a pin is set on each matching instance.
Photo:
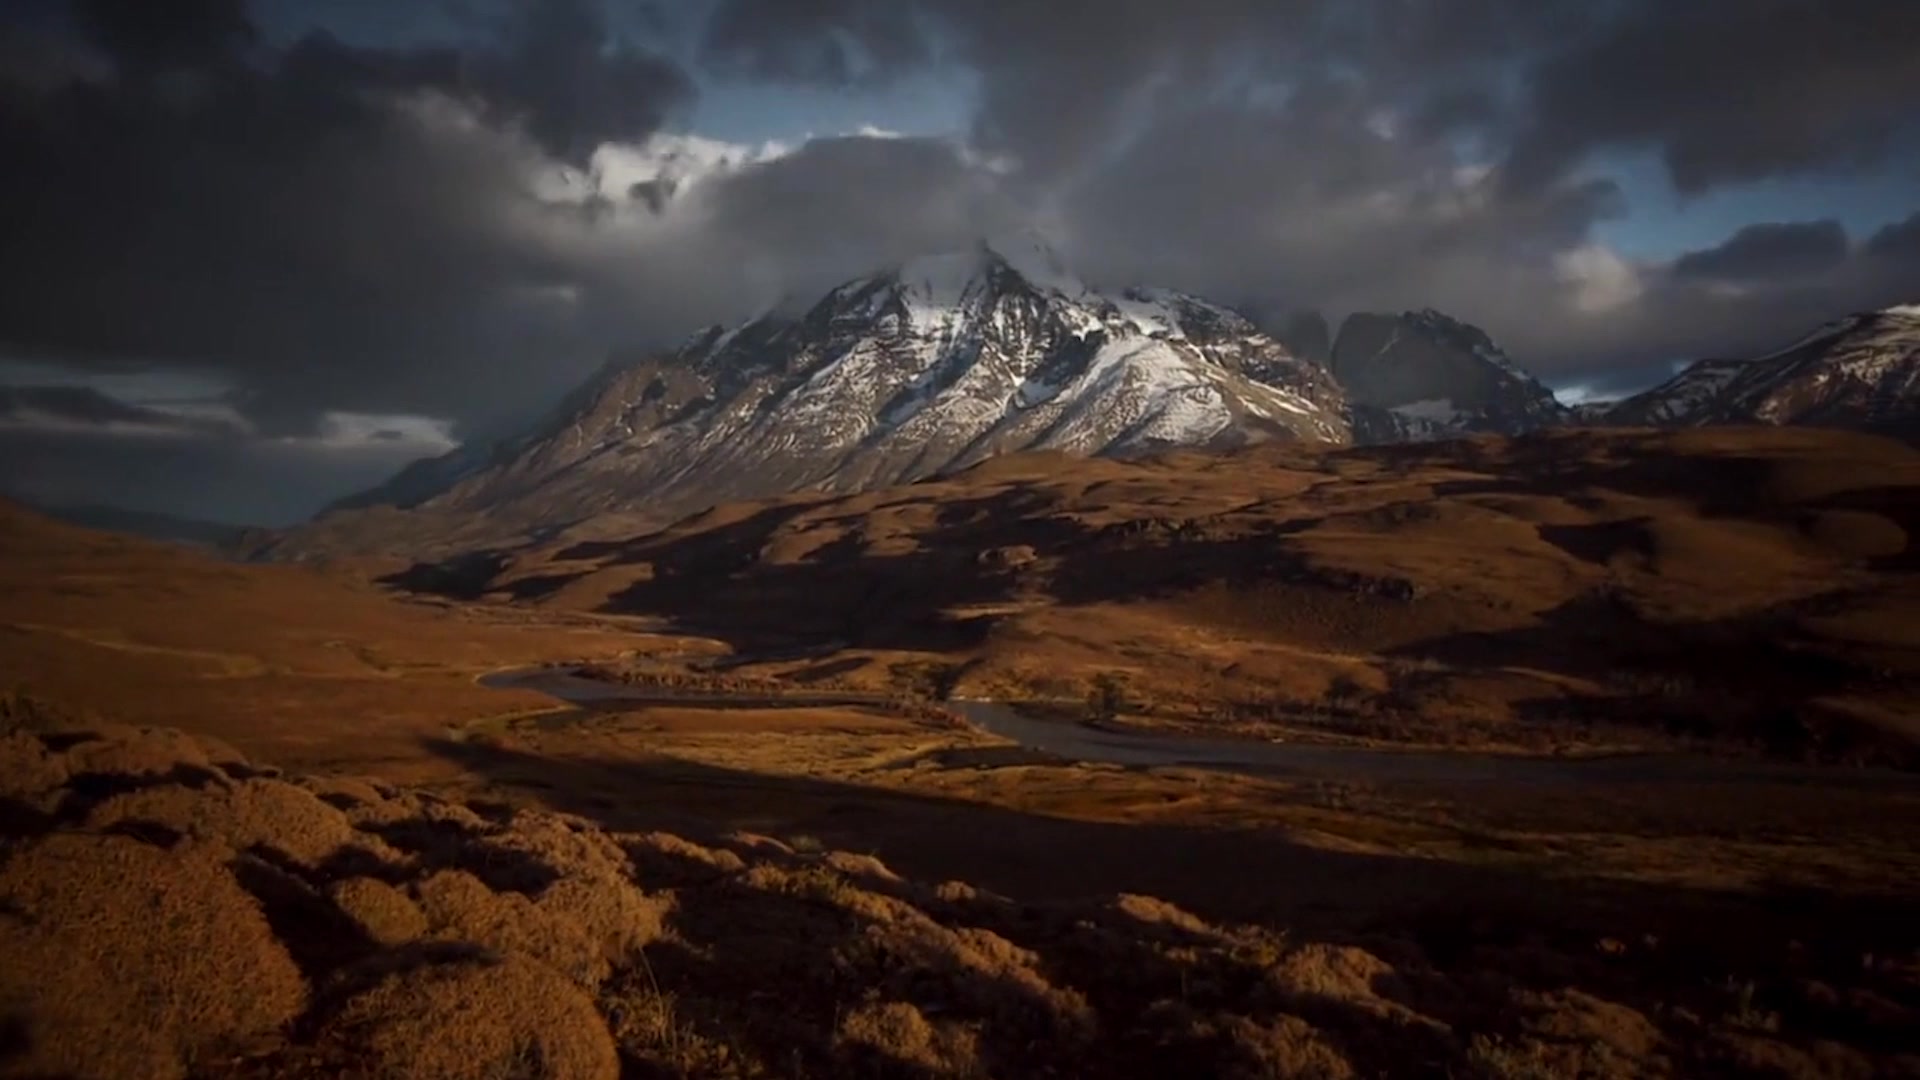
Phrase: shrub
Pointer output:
(1106, 698)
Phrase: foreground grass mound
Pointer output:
(171, 909)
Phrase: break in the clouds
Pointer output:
(376, 231)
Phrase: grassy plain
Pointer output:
(679, 889)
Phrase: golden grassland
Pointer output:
(1729, 588)
(288, 660)
(456, 881)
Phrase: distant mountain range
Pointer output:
(947, 360)
(1862, 371)
(151, 525)
(926, 367)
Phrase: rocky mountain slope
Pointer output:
(1862, 371)
(1421, 375)
(936, 364)
(948, 360)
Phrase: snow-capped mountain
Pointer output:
(1862, 371)
(932, 365)
(1422, 375)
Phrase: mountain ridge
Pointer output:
(942, 361)
(933, 364)
(1861, 370)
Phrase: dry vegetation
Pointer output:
(1724, 588)
(169, 908)
(284, 660)
(454, 881)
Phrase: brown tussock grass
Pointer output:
(122, 959)
(175, 922)
(462, 1019)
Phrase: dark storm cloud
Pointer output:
(146, 37)
(1769, 251)
(1899, 241)
(840, 207)
(354, 227)
(1728, 90)
(1723, 90)
(254, 483)
(1057, 82)
(1060, 83)
(1225, 202)
(81, 409)
(331, 226)
(558, 67)
(576, 82)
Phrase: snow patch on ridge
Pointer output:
(1032, 391)
(1154, 383)
(1149, 313)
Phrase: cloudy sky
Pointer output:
(259, 254)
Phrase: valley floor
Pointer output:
(274, 821)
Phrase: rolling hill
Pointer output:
(1744, 585)
(285, 659)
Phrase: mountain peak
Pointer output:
(1424, 374)
(936, 363)
(944, 277)
(1027, 253)
(1861, 371)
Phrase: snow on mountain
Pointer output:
(949, 359)
(1422, 375)
(1674, 401)
(1861, 371)
(932, 365)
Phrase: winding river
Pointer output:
(1079, 742)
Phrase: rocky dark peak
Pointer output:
(1307, 336)
(1423, 374)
